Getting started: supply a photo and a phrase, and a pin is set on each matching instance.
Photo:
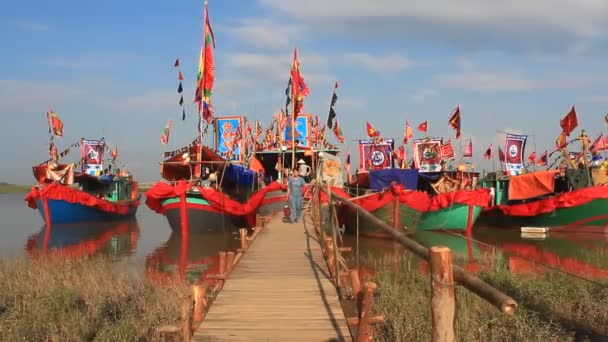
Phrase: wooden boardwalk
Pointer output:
(280, 291)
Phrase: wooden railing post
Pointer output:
(332, 227)
(243, 234)
(222, 268)
(365, 331)
(442, 294)
(229, 262)
(200, 302)
(186, 318)
(329, 244)
(355, 283)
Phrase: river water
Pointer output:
(147, 242)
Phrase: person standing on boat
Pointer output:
(304, 169)
(295, 195)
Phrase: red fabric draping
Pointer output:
(61, 192)
(565, 200)
(217, 199)
(161, 191)
(532, 185)
(421, 201)
(479, 197)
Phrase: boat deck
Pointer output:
(280, 291)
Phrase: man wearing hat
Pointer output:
(303, 169)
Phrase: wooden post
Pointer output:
(243, 233)
(329, 243)
(396, 212)
(365, 329)
(333, 228)
(229, 263)
(320, 211)
(258, 220)
(186, 318)
(200, 302)
(222, 268)
(355, 282)
(442, 295)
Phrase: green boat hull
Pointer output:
(408, 218)
(454, 217)
(593, 213)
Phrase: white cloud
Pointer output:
(90, 60)
(423, 94)
(31, 26)
(387, 63)
(467, 21)
(264, 33)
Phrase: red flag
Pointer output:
(299, 88)
(166, 133)
(176, 63)
(569, 122)
(423, 127)
(599, 144)
(532, 158)
(206, 71)
(468, 151)
(542, 161)
(488, 154)
(447, 150)
(371, 131)
(338, 132)
(501, 155)
(407, 135)
(114, 153)
(347, 162)
(180, 76)
(454, 121)
(55, 124)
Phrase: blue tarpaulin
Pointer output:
(240, 175)
(381, 179)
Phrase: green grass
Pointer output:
(82, 300)
(552, 306)
(6, 188)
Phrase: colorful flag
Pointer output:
(454, 121)
(501, 155)
(569, 122)
(423, 127)
(514, 147)
(488, 154)
(371, 131)
(408, 134)
(258, 130)
(468, 151)
(606, 118)
(542, 161)
(447, 150)
(206, 71)
(164, 136)
(176, 63)
(532, 158)
(55, 124)
(299, 89)
(401, 161)
(332, 113)
(561, 141)
(599, 144)
(180, 76)
(288, 95)
(114, 153)
(338, 132)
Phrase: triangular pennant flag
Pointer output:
(180, 88)
(180, 76)
(181, 100)
(183, 114)
(176, 63)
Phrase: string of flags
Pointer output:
(182, 150)
(180, 88)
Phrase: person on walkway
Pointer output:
(295, 195)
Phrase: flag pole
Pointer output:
(199, 158)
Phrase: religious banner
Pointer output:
(375, 155)
(331, 170)
(447, 151)
(302, 131)
(428, 154)
(227, 140)
(514, 157)
(92, 156)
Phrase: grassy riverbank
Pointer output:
(6, 188)
(81, 300)
(552, 307)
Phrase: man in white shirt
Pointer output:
(303, 169)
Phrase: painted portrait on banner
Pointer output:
(227, 142)
(514, 153)
(375, 156)
(92, 156)
(302, 130)
(428, 154)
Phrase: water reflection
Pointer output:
(116, 240)
(192, 257)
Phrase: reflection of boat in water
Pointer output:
(113, 239)
(581, 254)
(192, 257)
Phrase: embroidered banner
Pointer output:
(92, 156)
(229, 135)
(302, 130)
(447, 151)
(514, 157)
(428, 154)
(375, 156)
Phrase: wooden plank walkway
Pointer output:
(280, 291)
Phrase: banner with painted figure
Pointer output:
(92, 156)
(331, 170)
(375, 156)
(228, 137)
(302, 131)
(428, 154)
(514, 156)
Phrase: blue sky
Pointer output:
(106, 68)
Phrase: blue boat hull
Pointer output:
(62, 212)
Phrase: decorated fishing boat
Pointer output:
(97, 192)
(112, 239)
(572, 195)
